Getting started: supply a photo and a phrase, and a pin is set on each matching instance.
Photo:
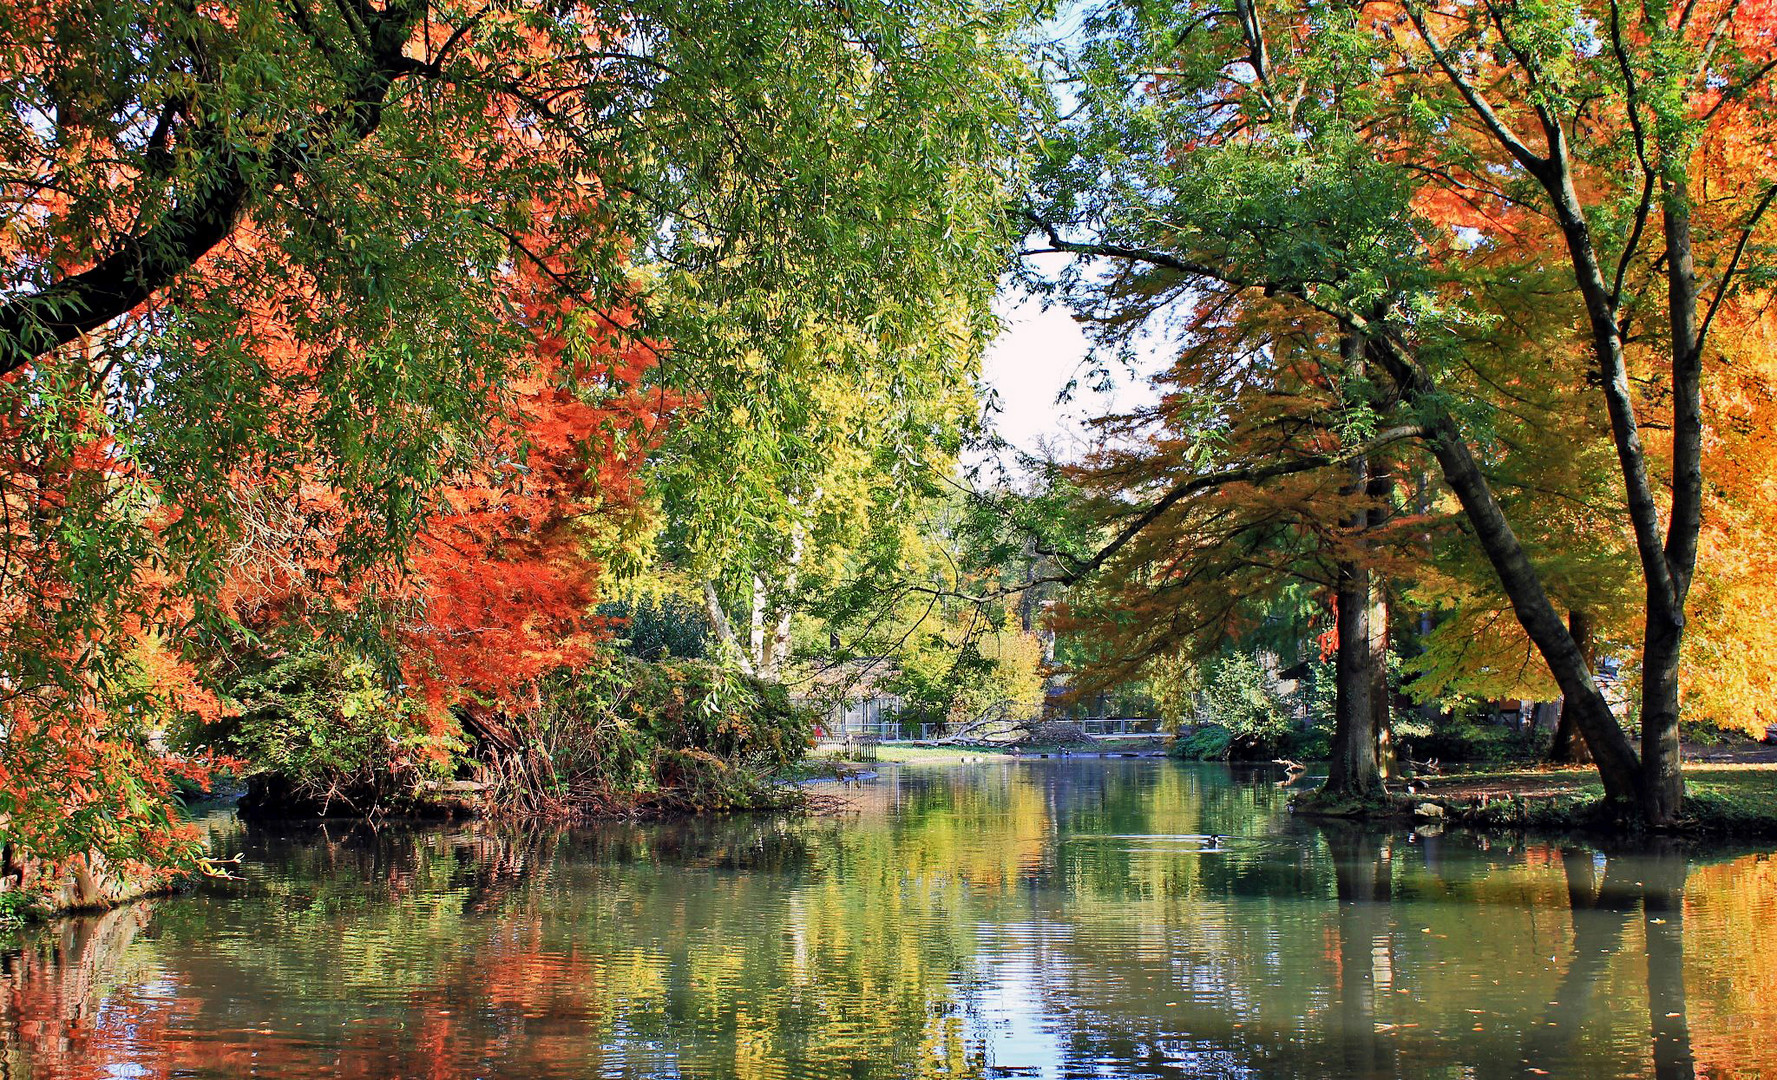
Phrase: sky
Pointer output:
(1036, 355)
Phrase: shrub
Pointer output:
(661, 628)
(17, 909)
(320, 729)
(1239, 695)
(624, 733)
(1462, 738)
(1208, 743)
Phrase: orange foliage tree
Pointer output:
(264, 274)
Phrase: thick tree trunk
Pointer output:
(1361, 706)
(1668, 559)
(1354, 770)
(1662, 776)
(1380, 491)
(1662, 773)
(1569, 748)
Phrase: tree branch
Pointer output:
(1250, 474)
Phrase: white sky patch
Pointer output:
(1038, 353)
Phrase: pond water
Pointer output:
(1043, 919)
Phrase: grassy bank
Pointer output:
(1737, 800)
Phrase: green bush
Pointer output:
(663, 628)
(17, 910)
(1239, 695)
(624, 732)
(1463, 738)
(1708, 733)
(320, 730)
(1207, 743)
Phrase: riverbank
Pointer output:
(1722, 800)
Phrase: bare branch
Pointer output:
(1727, 277)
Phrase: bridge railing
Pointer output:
(898, 731)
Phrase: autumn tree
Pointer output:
(1292, 487)
(277, 240)
(1455, 133)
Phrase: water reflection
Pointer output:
(1046, 919)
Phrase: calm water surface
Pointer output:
(1044, 919)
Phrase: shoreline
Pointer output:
(1727, 798)
(1722, 800)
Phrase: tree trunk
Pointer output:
(1360, 672)
(1380, 490)
(1569, 748)
(760, 653)
(784, 608)
(1662, 776)
(1618, 766)
(1354, 770)
(731, 645)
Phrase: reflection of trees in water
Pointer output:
(1662, 911)
(1603, 893)
(1602, 897)
(641, 950)
(888, 941)
(54, 991)
(1363, 888)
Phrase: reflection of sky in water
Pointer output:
(1017, 1019)
(1050, 919)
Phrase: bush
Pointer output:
(17, 910)
(664, 628)
(1208, 743)
(1709, 733)
(319, 729)
(1463, 738)
(1240, 696)
(624, 733)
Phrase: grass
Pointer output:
(1720, 801)
(905, 754)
